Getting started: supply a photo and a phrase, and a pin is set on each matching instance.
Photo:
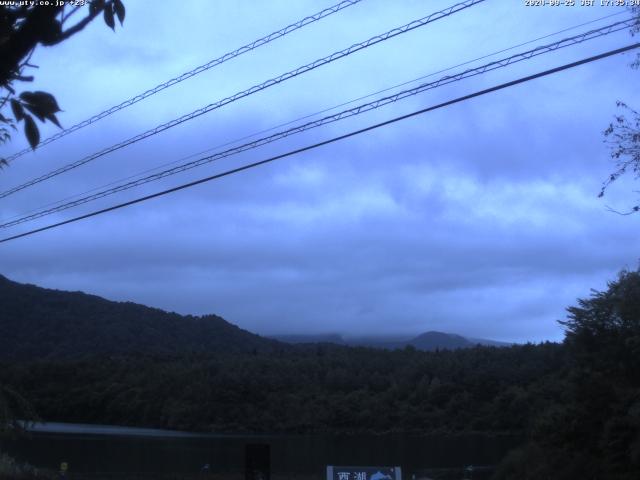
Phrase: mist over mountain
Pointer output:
(37, 322)
(428, 341)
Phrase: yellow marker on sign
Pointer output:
(64, 466)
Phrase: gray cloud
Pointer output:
(480, 219)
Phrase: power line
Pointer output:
(329, 141)
(202, 68)
(328, 109)
(589, 35)
(256, 88)
(310, 115)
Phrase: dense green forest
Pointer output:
(576, 403)
(321, 388)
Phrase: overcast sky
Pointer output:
(480, 219)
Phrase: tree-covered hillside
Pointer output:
(38, 323)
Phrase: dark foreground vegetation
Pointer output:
(319, 389)
(578, 403)
(592, 430)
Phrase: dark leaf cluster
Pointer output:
(41, 104)
(23, 27)
(623, 137)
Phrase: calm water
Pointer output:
(118, 449)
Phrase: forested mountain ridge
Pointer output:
(36, 322)
(41, 323)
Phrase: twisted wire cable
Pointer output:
(366, 107)
(329, 141)
(256, 88)
(202, 68)
(311, 115)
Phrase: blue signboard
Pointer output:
(363, 473)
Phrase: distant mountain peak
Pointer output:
(435, 333)
(431, 340)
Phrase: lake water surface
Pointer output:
(94, 448)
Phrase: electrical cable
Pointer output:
(327, 109)
(329, 141)
(590, 35)
(202, 68)
(256, 88)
